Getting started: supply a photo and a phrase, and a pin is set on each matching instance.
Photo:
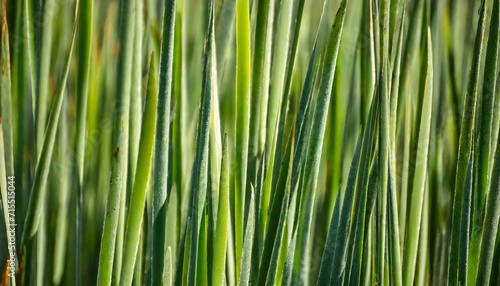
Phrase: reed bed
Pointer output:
(249, 142)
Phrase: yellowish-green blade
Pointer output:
(138, 197)
(221, 230)
(417, 197)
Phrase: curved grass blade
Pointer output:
(277, 222)
(303, 113)
(465, 144)
(312, 163)
(321, 112)
(490, 223)
(138, 198)
(484, 148)
(340, 241)
(415, 215)
(366, 200)
(368, 149)
(160, 191)
(487, 105)
(276, 207)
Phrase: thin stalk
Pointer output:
(138, 198)
(162, 141)
(117, 185)
(242, 109)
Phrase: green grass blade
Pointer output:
(7, 197)
(484, 149)
(259, 97)
(259, 88)
(465, 225)
(340, 246)
(384, 135)
(61, 235)
(29, 38)
(248, 241)
(272, 240)
(220, 241)
(303, 114)
(278, 72)
(266, 79)
(115, 211)
(312, 163)
(182, 253)
(362, 214)
(136, 94)
(269, 267)
(201, 260)
(403, 197)
(6, 94)
(162, 139)
(85, 24)
(465, 144)
(415, 215)
(496, 119)
(423, 244)
(200, 172)
(327, 258)
(43, 69)
(288, 271)
(167, 278)
(242, 118)
(138, 199)
(487, 104)
(394, 237)
(321, 112)
(367, 77)
(490, 224)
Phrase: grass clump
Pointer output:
(249, 142)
